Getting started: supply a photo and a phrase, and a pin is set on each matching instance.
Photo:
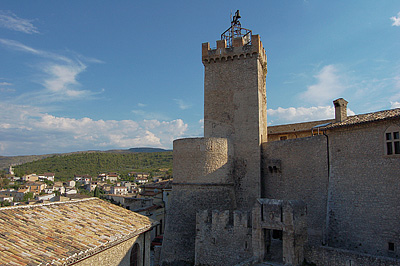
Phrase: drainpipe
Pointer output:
(328, 192)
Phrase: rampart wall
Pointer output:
(298, 170)
(327, 256)
(223, 237)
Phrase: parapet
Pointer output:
(223, 219)
(237, 51)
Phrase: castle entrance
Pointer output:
(273, 251)
(280, 231)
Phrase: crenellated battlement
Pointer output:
(216, 220)
(239, 50)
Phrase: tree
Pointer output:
(28, 196)
(96, 192)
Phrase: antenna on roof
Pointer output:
(236, 30)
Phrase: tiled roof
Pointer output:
(366, 118)
(296, 127)
(63, 232)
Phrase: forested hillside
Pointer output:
(93, 163)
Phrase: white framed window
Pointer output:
(392, 141)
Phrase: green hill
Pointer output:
(93, 163)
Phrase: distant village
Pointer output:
(145, 195)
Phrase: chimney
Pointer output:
(340, 109)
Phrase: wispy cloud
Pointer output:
(59, 72)
(11, 21)
(141, 105)
(29, 130)
(27, 49)
(396, 20)
(182, 105)
(329, 86)
(149, 115)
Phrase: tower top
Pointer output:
(236, 30)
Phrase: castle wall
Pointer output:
(298, 170)
(201, 181)
(328, 256)
(223, 237)
(364, 207)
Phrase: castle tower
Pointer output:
(221, 171)
(235, 107)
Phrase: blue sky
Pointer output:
(80, 75)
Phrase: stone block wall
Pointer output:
(298, 170)
(223, 237)
(202, 180)
(327, 256)
(364, 213)
(119, 255)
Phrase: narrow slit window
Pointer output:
(391, 246)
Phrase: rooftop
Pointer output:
(366, 118)
(63, 232)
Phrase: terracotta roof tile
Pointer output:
(366, 118)
(62, 232)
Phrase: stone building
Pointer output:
(325, 191)
(82, 232)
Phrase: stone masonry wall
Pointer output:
(119, 255)
(364, 212)
(298, 170)
(327, 256)
(202, 180)
(223, 237)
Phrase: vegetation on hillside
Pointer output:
(93, 163)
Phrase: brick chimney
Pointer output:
(340, 109)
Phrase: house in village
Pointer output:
(46, 176)
(82, 232)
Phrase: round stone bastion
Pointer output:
(202, 160)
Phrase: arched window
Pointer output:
(135, 252)
(392, 140)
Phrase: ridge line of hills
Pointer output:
(6, 161)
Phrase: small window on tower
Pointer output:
(391, 246)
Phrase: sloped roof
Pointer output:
(64, 232)
(366, 118)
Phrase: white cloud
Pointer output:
(394, 105)
(328, 86)
(396, 20)
(182, 105)
(301, 114)
(10, 21)
(28, 130)
(62, 77)
(141, 105)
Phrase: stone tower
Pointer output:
(235, 108)
(221, 171)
